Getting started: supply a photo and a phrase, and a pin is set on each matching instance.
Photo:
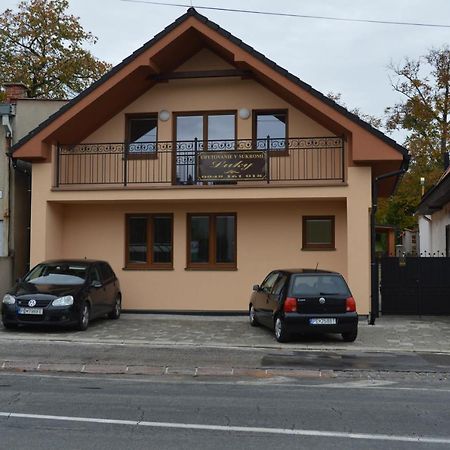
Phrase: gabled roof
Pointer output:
(168, 49)
(436, 197)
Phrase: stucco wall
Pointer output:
(432, 232)
(15, 201)
(5, 275)
(32, 112)
(211, 94)
(269, 236)
(425, 234)
(90, 223)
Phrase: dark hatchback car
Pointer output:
(304, 301)
(63, 293)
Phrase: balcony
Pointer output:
(200, 163)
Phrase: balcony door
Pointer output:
(199, 132)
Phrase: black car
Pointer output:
(304, 301)
(63, 292)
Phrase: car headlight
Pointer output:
(63, 301)
(8, 299)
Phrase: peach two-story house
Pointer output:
(196, 166)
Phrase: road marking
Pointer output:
(237, 429)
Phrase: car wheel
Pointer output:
(350, 336)
(10, 326)
(281, 333)
(115, 313)
(252, 317)
(84, 317)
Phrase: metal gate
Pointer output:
(415, 285)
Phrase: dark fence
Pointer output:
(415, 285)
(284, 160)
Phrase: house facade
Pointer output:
(196, 166)
(434, 219)
(19, 115)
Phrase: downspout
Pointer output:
(6, 112)
(374, 297)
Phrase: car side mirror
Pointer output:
(18, 280)
(256, 287)
(96, 284)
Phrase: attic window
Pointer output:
(142, 134)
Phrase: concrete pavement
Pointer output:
(391, 333)
(184, 345)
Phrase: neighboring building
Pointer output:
(19, 115)
(385, 240)
(434, 219)
(410, 245)
(196, 166)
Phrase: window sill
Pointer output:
(214, 269)
(143, 269)
(318, 249)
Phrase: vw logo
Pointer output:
(321, 300)
(32, 303)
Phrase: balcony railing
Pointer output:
(201, 162)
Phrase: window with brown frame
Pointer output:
(211, 240)
(270, 129)
(318, 233)
(201, 131)
(149, 241)
(141, 135)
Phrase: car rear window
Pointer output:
(305, 285)
(62, 274)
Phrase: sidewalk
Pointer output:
(391, 333)
(155, 345)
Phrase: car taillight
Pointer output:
(350, 304)
(290, 304)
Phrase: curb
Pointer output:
(276, 346)
(106, 369)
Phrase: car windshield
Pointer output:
(311, 284)
(62, 274)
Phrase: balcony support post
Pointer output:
(125, 164)
(58, 150)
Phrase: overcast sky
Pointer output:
(350, 58)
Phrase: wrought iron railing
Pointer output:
(201, 162)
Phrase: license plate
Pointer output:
(320, 321)
(32, 311)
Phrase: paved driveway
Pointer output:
(390, 333)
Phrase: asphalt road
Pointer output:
(54, 412)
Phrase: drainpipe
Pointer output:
(7, 110)
(374, 297)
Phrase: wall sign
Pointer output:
(231, 165)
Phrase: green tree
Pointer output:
(41, 45)
(376, 122)
(424, 114)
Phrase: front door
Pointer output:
(195, 133)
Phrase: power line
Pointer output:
(302, 16)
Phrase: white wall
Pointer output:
(432, 231)
(425, 234)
